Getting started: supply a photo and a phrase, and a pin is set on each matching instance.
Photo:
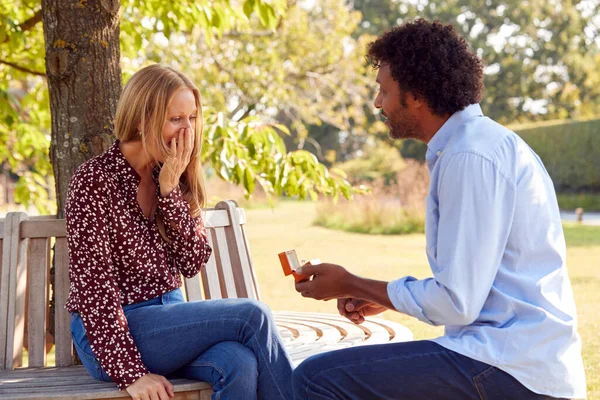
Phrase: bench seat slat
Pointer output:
(397, 332)
(44, 383)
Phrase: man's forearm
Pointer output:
(369, 289)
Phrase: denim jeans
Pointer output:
(233, 344)
(411, 370)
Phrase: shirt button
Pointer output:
(439, 153)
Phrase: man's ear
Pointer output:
(414, 101)
(417, 100)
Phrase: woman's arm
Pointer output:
(188, 241)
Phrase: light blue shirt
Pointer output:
(496, 247)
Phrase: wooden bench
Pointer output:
(26, 254)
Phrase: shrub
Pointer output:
(398, 208)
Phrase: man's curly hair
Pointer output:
(430, 60)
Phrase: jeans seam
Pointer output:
(479, 385)
(90, 358)
(246, 324)
(143, 334)
(211, 365)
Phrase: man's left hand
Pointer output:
(329, 281)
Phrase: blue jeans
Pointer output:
(411, 370)
(233, 344)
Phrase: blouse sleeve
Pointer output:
(189, 245)
(92, 282)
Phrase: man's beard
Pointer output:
(404, 127)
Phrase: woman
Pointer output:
(134, 226)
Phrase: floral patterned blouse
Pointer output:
(117, 256)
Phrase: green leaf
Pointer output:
(248, 7)
(217, 19)
(264, 14)
(249, 182)
(239, 173)
(283, 129)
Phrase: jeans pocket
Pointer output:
(495, 384)
(479, 381)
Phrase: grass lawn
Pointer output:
(290, 226)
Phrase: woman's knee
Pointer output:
(259, 314)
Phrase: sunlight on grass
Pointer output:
(581, 235)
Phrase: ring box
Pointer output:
(289, 263)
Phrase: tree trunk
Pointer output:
(84, 82)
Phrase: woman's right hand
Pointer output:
(151, 387)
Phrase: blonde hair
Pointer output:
(142, 113)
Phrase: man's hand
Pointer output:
(177, 161)
(151, 387)
(329, 281)
(356, 309)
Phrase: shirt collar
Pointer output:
(438, 142)
(118, 164)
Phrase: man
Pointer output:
(494, 243)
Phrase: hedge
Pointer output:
(570, 150)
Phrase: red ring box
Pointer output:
(289, 263)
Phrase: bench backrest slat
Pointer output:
(242, 275)
(224, 263)
(26, 252)
(250, 264)
(62, 318)
(7, 228)
(210, 275)
(43, 228)
(36, 310)
(193, 288)
(12, 292)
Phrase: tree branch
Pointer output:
(22, 69)
(31, 22)
(28, 24)
(250, 33)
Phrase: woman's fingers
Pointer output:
(168, 387)
(189, 142)
(173, 147)
(181, 143)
